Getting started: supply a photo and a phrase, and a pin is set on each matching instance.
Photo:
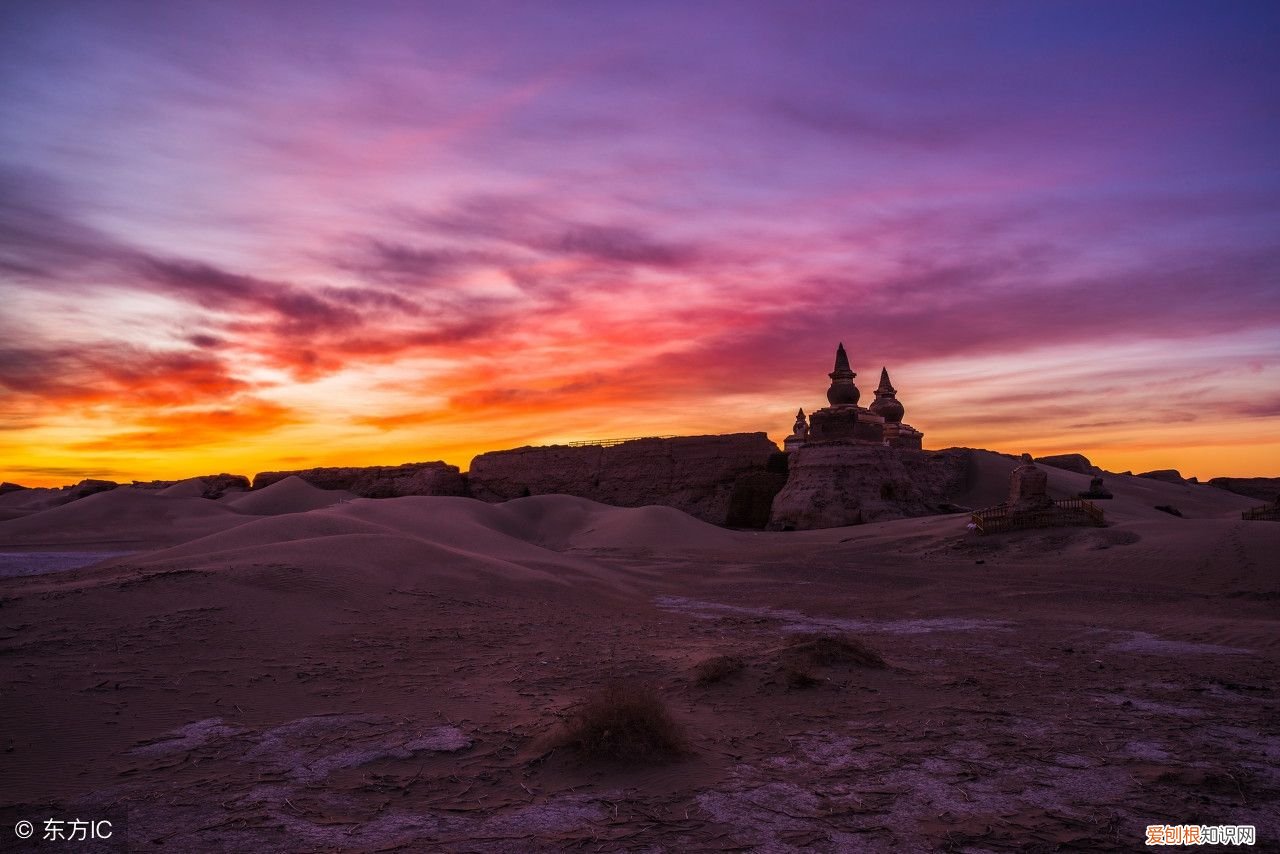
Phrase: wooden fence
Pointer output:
(1066, 512)
(1267, 512)
(609, 443)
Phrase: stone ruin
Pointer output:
(843, 420)
(725, 480)
(842, 465)
(849, 464)
(1028, 488)
(1030, 506)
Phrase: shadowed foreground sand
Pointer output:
(295, 670)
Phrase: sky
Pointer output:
(243, 236)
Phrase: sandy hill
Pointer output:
(24, 502)
(420, 541)
(291, 495)
(121, 517)
(147, 518)
(192, 487)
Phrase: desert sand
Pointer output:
(295, 669)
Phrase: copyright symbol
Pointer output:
(24, 829)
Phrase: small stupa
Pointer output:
(1096, 491)
(799, 433)
(888, 407)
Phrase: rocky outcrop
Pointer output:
(218, 485)
(84, 489)
(211, 486)
(696, 474)
(1164, 475)
(831, 484)
(1069, 462)
(436, 478)
(10, 487)
(1261, 488)
(752, 497)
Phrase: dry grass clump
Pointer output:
(717, 669)
(624, 722)
(826, 650)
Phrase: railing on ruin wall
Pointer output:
(609, 443)
(1267, 512)
(1064, 512)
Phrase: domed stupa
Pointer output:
(886, 405)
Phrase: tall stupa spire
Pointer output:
(842, 392)
(842, 359)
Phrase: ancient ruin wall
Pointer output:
(695, 474)
(1261, 488)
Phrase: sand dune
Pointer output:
(1140, 496)
(526, 529)
(121, 517)
(196, 487)
(192, 487)
(443, 541)
(291, 495)
(24, 502)
(660, 529)
(363, 565)
(555, 522)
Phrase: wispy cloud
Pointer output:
(383, 232)
(194, 428)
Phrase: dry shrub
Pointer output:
(826, 650)
(624, 722)
(717, 669)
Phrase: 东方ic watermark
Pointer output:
(65, 830)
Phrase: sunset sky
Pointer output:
(250, 236)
